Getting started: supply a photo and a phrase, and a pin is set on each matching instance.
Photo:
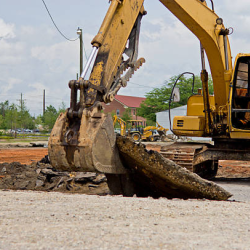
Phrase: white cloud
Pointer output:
(6, 30)
(239, 7)
(36, 86)
(169, 49)
(11, 52)
(11, 84)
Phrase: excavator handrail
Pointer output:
(170, 98)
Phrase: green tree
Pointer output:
(50, 116)
(25, 120)
(39, 121)
(126, 115)
(62, 108)
(1, 121)
(158, 99)
(11, 117)
(4, 106)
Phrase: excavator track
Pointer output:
(181, 154)
(184, 154)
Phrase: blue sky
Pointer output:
(34, 56)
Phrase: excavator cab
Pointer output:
(241, 94)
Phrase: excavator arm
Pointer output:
(78, 137)
(83, 138)
(116, 40)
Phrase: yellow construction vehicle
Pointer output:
(161, 132)
(137, 131)
(83, 138)
(122, 124)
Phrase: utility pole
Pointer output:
(79, 32)
(21, 107)
(21, 102)
(43, 102)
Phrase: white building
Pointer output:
(163, 117)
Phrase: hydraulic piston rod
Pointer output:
(92, 56)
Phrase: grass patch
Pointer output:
(23, 138)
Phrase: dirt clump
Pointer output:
(42, 177)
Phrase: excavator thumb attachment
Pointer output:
(85, 144)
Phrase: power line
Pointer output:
(84, 50)
(141, 85)
(71, 40)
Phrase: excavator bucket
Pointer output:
(86, 144)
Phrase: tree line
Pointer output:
(13, 116)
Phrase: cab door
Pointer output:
(240, 99)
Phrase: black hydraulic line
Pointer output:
(212, 4)
(170, 98)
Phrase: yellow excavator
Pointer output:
(83, 137)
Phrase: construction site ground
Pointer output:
(24, 153)
(69, 219)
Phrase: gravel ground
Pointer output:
(49, 220)
(41, 220)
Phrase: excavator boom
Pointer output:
(207, 26)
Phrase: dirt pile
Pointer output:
(42, 177)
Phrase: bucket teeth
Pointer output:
(131, 71)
